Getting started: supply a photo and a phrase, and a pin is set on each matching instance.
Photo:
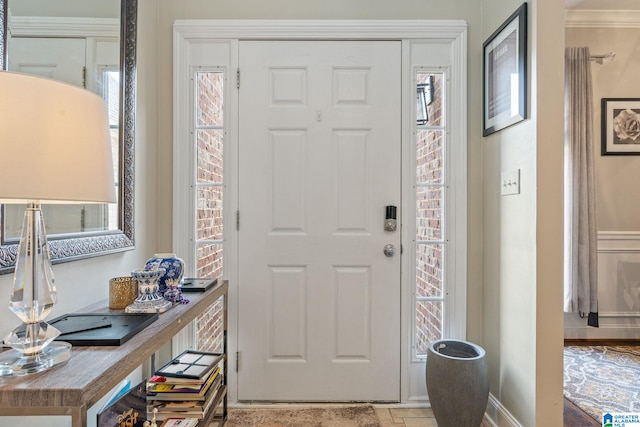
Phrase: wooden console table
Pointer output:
(92, 371)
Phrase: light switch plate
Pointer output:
(510, 182)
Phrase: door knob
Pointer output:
(389, 250)
(390, 218)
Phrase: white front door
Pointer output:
(60, 59)
(319, 149)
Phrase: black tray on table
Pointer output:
(100, 329)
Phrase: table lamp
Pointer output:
(55, 148)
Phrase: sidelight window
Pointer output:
(430, 192)
(209, 194)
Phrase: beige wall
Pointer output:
(547, 101)
(617, 177)
(522, 234)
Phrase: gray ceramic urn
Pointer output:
(457, 383)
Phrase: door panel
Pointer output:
(54, 58)
(319, 302)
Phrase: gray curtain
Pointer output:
(581, 273)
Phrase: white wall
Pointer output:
(617, 192)
(522, 234)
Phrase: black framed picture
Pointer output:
(620, 126)
(504, 85)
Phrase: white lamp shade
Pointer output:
(54, 142)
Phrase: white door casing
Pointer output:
(319, 302)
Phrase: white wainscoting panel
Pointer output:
(618, 290)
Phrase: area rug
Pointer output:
(601, 379)
(347, 416)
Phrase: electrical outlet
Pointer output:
(510, 182)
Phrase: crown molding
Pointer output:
(602, 18)
(40, 26)
(326, 29)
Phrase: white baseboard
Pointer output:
(498, 416)
(604, 332)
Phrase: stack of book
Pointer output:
(186, 387)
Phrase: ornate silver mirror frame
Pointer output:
(77, 246)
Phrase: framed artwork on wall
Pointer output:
(620, 126)
(504, 76)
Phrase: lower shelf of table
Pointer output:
(217, 413)
(214, 414)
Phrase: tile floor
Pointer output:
(405, 417)
(408, 417)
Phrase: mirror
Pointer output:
(68, 245)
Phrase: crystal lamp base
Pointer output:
(14, 363)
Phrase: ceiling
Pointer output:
(602, 4)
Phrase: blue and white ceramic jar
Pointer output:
(173, 266)
(149, 300)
